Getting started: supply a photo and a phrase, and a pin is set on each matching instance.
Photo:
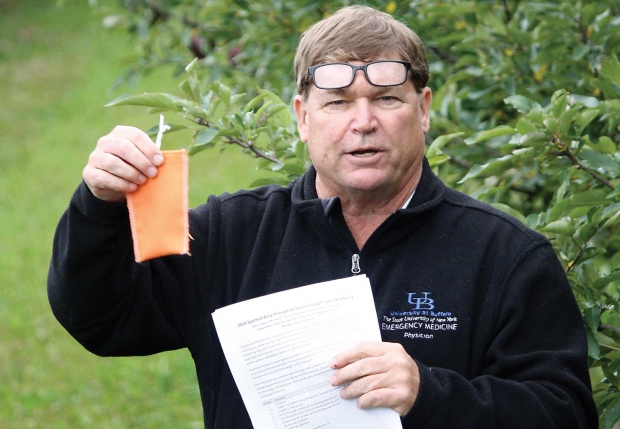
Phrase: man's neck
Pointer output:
(365, 211)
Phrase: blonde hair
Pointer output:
(358, 33)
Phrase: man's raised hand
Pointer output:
(122, 161)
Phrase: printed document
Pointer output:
(278, 347)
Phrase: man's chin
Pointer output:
(369, 181)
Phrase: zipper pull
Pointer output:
(355, 264)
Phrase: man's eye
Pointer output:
(337, 102)
(387, 98)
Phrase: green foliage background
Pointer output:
(57, 65)
(526, 116)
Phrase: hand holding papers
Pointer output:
(278, 347)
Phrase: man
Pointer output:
(479, 325)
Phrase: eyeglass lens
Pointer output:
(385, 73)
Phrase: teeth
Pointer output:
(365, 153)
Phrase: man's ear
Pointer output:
(302, 117)
(425, 98)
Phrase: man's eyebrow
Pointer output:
(339, 91)
(376, 91)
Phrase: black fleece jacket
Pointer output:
(480, 301)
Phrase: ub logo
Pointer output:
(421, 303)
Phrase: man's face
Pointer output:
(364, 138)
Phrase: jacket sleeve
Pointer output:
(533, 371)
(110, 304)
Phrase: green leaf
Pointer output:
(606, 341)
(194, 149)
(612, 220)
(535, 136)
(438, 159)
(584, 99)
(563, 226)
(254, 102)
(566, 119)
(598, 159)
(536, 115)
(593, 349)
(206, 135)
(440, 142)
(601, 282)
(191, 87)
(279, 110)
(236, 101)
(197, 112)
(604, 145)
(277, 114)
(152, 132)
(289, 167)
(488, 18)
(558, 103)
(525, 126)
(585, 117)
(502, 130)
(552, 124)
(521, 103)
(611, 416)
(592, 197)
(193, 66)
(493, 167)
(222, 91)
(558, 210)
(512, 212)
(520, 37)
(592, 317)
(610, 68)
(591, 252)
(152, 99)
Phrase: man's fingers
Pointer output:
(141, 141)
(124, 152)
(364, 385)
(356, 353)
(395, 399)
(117, 167)
(359, 370)
(100, 179)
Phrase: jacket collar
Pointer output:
(428, 195)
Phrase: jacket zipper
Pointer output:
(355, 264)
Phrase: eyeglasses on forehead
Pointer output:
(378, 73)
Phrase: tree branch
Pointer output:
(603, 326)
(582, 249)
(257, 153)
(166, 14)
(445, 56)
(507, 11)
(564, 151)
(567, 153)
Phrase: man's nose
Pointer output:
(365, 121)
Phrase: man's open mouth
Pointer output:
(364, 153)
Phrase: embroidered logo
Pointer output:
(420, 321)
(425, 303)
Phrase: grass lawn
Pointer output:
(56, 67)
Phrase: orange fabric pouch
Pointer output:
(158, 210)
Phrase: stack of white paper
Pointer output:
(278, 347)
